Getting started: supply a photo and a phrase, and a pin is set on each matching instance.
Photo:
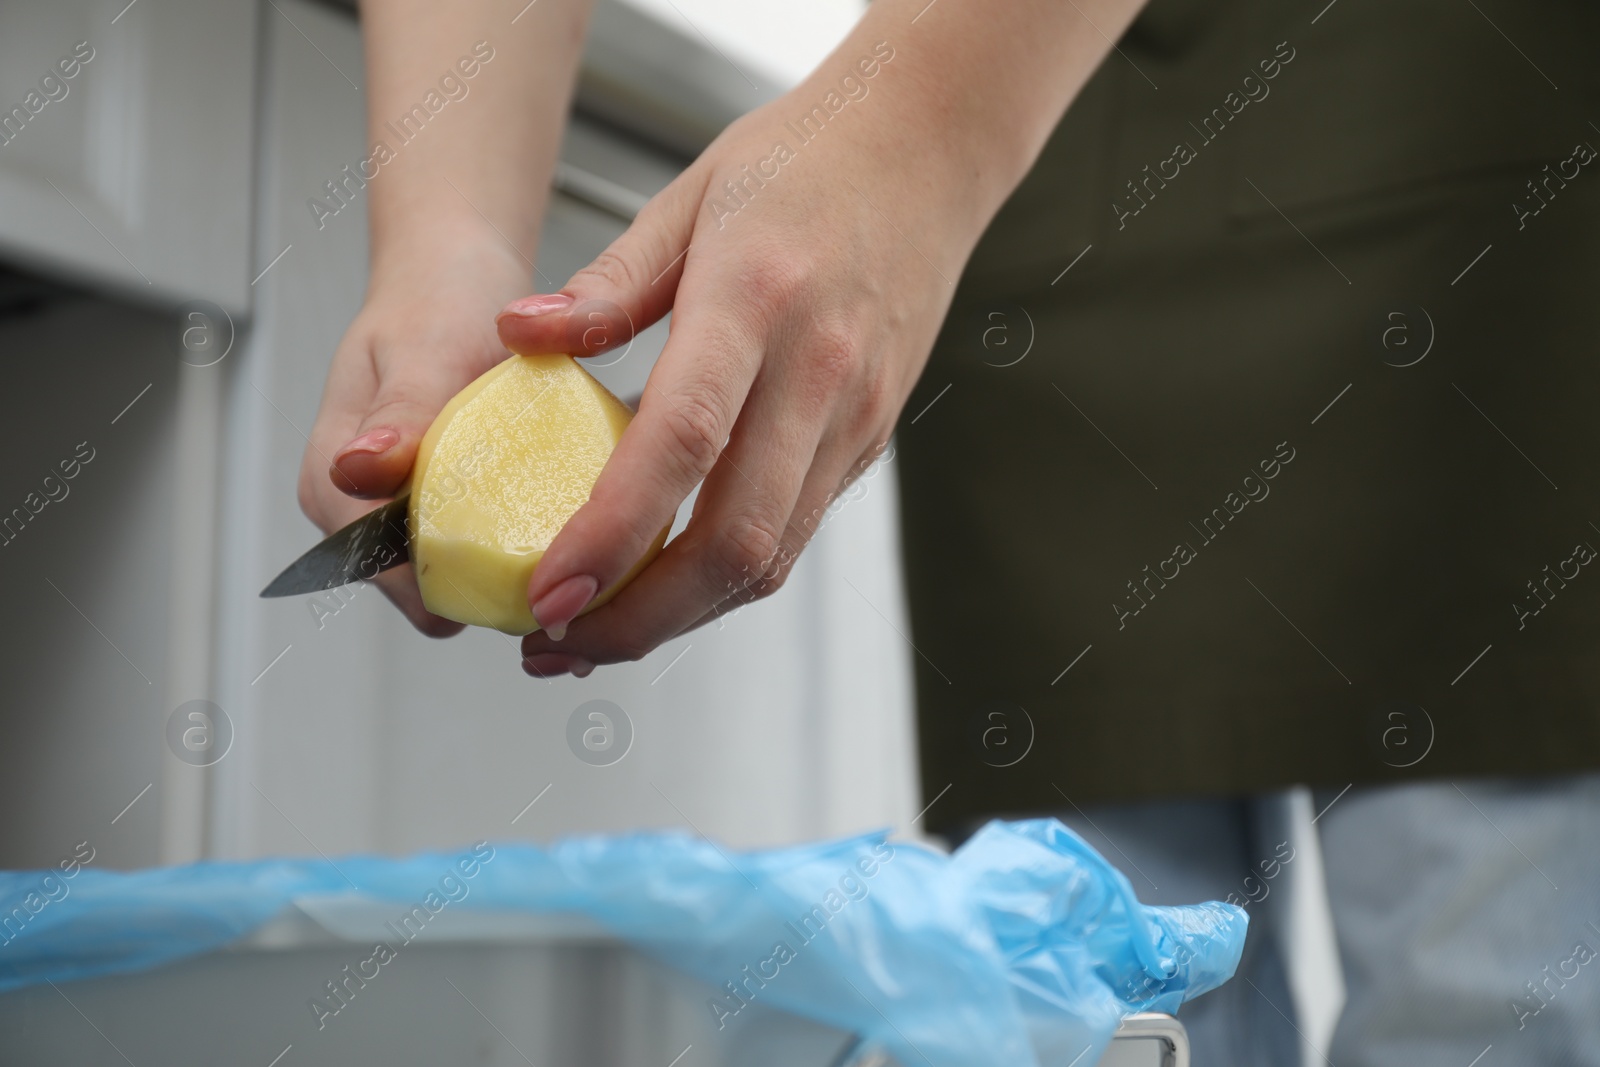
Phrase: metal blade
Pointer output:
(375, 542)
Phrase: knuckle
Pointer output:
(402, 405)
(874, 394)
(745, 553)
(396, 410)
(613, 269)
(774, 576)
(771, 579)
(868, 400)
(836, 353)
(694, 431)
(775, 283)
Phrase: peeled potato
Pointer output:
(500, 471)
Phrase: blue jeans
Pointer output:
(1467, 916)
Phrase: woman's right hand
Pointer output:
(424, 332)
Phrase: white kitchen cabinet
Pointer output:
(85, 573)
(134, 174)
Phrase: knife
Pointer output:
(376, 541)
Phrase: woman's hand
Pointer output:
(808, 258)
(424, 332)
(807, 282)
(454, 220)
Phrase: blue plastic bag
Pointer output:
(1023, 946)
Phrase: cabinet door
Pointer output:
(125, 134)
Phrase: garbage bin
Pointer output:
(498, 990)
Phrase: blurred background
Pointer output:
(169, 303)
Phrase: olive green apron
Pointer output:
(1258, 446)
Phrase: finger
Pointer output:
(823, 487)
(551, 664)
(628, 287)
(739, 537)
(399, 584)
(690, 404)
(377, 459)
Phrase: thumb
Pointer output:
(377, 459)
(627, 288)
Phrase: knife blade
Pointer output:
(375, 542)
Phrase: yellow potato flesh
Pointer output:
(498, 474)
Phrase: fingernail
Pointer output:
(374, 441)
(581, 668)
(561, 604)
(543, 304)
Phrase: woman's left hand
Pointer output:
(808, 257)
(815, 279)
